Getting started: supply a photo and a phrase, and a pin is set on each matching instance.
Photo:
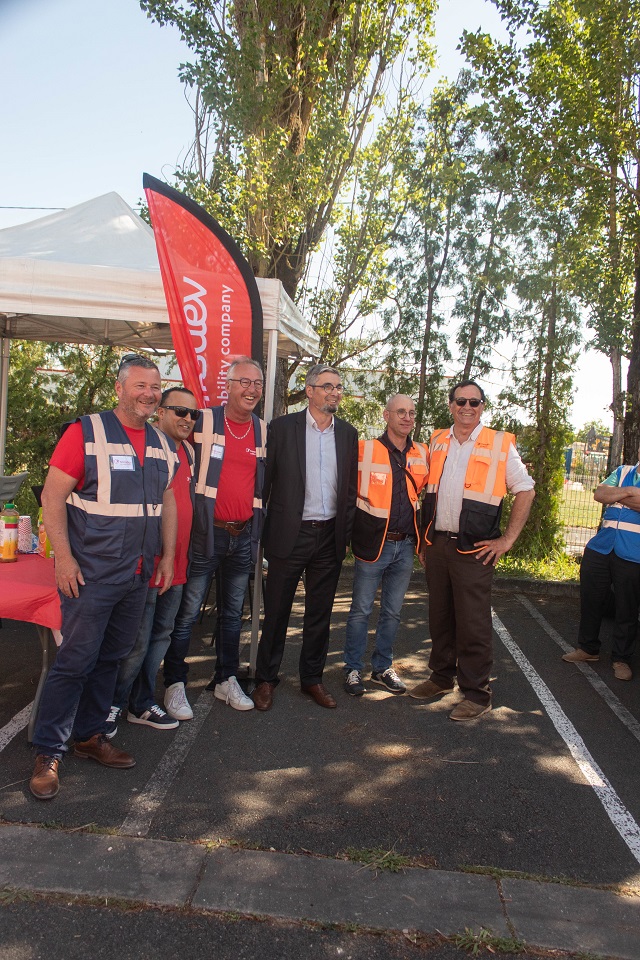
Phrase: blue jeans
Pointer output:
(232, 555)
(97, 631)
(393, 567)
(136, 684)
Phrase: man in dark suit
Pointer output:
(310, 492)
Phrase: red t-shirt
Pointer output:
(181, 486)
(236, 487)
(68, 455)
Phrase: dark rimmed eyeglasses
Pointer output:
(462, 401)
(328, 387)
(245, 383)
(183, 412)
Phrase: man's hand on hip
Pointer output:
(492, 550)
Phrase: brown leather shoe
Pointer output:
(321, 696)
(621, 670)
(44, 781)
(468, 710)
(99, 748)
(580, 656)
(262, 696)
(428, 690)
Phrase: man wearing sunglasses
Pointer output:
(392, 473)
(135, 687)
(229, 442)
(310, 492)
(109, 511)
(471, 470)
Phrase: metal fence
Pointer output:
(580, 514)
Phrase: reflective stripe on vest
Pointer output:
(102, 449)
(491, 449)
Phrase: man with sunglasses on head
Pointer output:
(392, 472)
(310, 492)
(471, 470)
(229, 444)
(109, 511)
(136, 683)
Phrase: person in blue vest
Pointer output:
(612, 557)
(136, 684)
(230, 454)
(109, 510)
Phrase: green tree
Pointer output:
(566, 86)
(297, 107)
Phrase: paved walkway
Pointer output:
(285, 886)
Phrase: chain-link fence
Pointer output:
(580, 514)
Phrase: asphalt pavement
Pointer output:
(521, 826)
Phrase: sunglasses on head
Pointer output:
(183, 412)
(461, 401)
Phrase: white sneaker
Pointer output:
(176, 703)
(231, 692)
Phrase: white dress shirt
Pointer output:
(321, 480)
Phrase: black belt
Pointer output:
(234, 527)
(396, 537)
(448, 534)
(317, 523)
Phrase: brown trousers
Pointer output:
(459, 619)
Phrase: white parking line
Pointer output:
(588, 672)
(145, 805)
(620, 817)
(15, 725)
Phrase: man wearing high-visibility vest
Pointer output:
(471, 470)
(392, 472)
(612, 557)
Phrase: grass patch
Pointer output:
(561, 566)
(378, 859)
(579, 509)
(485, 940)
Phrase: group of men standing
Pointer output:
(141, 518)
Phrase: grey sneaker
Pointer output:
(389, 679)
(155, 716)
(232, 693)
(353, 684)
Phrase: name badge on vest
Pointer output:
(216, 451)
(121, 461)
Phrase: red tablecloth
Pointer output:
(28, 591)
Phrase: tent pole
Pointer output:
(4, 396)
(270, 378)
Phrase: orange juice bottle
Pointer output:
(9, 534)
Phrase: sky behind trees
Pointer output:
(92, 99)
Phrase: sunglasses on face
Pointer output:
(183, 412)
(461, 401)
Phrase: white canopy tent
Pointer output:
(90, 274)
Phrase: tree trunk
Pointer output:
(617, 408)
(632, 412)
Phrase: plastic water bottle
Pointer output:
(9, 518)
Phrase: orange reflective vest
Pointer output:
(375, 488)
(485, 485)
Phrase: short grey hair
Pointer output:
(240, 360)
(134, 360)
(315, 372)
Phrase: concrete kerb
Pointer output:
(305, 888)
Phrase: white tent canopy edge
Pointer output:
(90, 274)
